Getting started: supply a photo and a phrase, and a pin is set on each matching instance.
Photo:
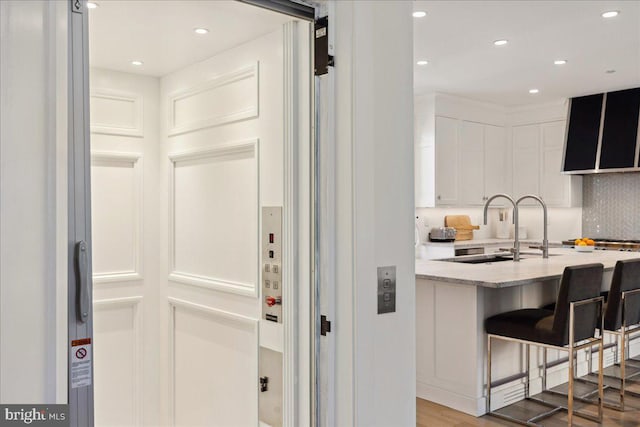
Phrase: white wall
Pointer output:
(221, 160)
(33, 188)
(125, 145)
(375, 354)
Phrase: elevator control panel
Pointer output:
(386, 289)
(272, 263)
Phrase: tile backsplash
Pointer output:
(611, 205)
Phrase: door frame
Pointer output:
(80, 313)
(301, 347)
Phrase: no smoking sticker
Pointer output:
(81, 363)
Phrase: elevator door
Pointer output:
(195, 321)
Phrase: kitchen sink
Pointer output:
(491, 258)
(481, 259)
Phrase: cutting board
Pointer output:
(462, 224)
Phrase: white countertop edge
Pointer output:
(509, 273)
(485, 242)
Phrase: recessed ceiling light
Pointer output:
(419, 14)
(560, 61)
(610, 14)
(422, 62)
(500, 42)
(533, 91)
(201, 31)
(137, 63)
(610, 71)
(91, 5)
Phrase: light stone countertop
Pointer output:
(484, 242)
(532, 269)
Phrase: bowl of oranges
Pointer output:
(584, 245)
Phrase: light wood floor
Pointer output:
(430, 414)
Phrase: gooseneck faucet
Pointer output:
(545, 243)
(516, 242)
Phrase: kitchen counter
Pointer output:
(493, 241)
(453, 300)
(508, 273)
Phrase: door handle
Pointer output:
(82, 281)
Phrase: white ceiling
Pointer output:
(456, 37)
(160, 33)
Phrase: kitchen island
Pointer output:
(452, 301)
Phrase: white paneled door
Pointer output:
(182, 165)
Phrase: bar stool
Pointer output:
(571, 327)
(622, 317)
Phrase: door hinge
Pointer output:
(322, 58)
(325, 325)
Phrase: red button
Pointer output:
(271, 301)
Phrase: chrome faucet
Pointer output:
(545, 243)
(516, 243)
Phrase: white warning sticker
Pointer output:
(81, 363)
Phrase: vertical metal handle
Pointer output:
(82, 280)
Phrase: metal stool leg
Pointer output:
(570, 394)
(623, 356)
(488, 374)
(527, 359)
(544, 368)
(601, 377)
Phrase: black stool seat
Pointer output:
(551, 326)
(530, 324)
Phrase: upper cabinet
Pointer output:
(470, 162)
(526, 160)
(446, 165)
(537, 161)
(461, 152)
(482, 162)
(468, 151)
(603, 133)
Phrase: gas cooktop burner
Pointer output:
(611, 244)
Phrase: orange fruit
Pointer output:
(582, 244)
(577, 241)
(590, 242)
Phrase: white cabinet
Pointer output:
(424, 175)
(446, 155)
(470, 164)
(496, 164)
(482, 162)
(557, 189)
(537, 165)
(526, 160)
(462, 160)
(471, 161)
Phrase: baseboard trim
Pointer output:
(467, 404)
